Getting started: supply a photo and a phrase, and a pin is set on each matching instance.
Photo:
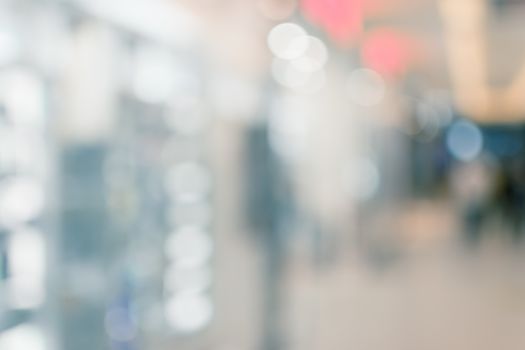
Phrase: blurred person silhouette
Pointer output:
(271, 213)
(472, 184)
(510, 197)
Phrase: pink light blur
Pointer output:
(388, 52)
(341, 19)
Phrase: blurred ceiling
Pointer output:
(235, 31)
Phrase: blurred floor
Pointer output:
(441, 298)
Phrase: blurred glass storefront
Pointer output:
(262, 174)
